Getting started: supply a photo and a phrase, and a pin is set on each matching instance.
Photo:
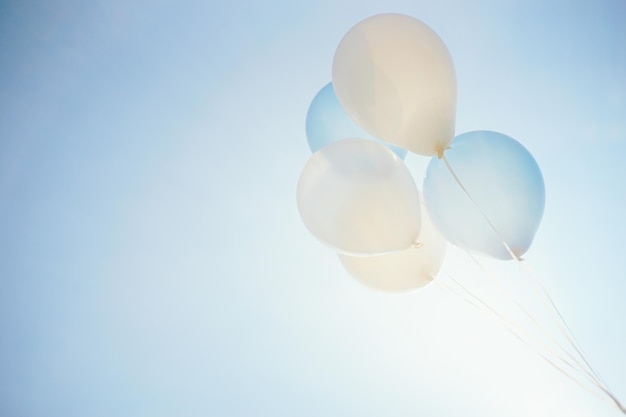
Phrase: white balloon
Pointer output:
(358, 197)
(401, 271)
(395, 77)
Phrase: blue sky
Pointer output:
(152, 260)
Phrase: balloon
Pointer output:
(395, 77)
(327, 121)
(401, 271)
(358, 197)
(505, 184)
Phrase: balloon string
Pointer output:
(560, 323)
(592, 377)
(477, 303)
(519, 262)
(558, 318)
(530, 273)
(536, 285)
(517, 331)
(467, 193)
(543, 294)
(533, 319)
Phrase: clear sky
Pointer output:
(152, 260)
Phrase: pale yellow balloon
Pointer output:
(401, 271)
(395, 77)
(358, 197)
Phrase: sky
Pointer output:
(152, 259)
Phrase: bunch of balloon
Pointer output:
(394, 89)
(392, 79)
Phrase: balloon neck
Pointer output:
(417, 245)
(441, 150)
(516, 255)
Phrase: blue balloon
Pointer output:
(506, 194)
(327, 121)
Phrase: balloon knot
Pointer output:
(417, 245)
(441, 150)
(517, 255)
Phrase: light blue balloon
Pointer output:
(327, 121)
(505, 185)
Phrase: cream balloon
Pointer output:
(401, 271)
(358, 197)
(395, 77)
